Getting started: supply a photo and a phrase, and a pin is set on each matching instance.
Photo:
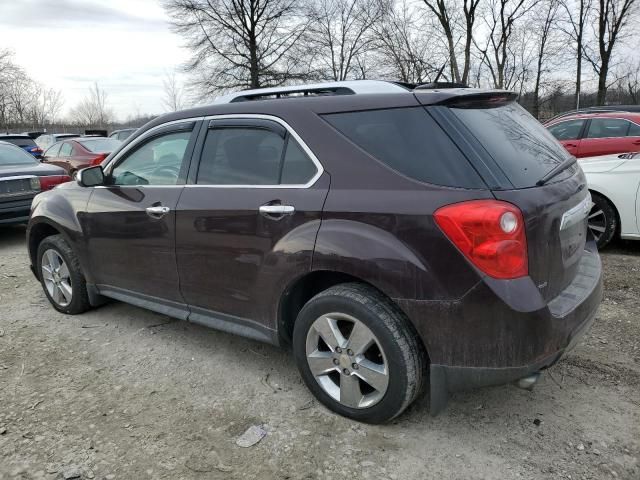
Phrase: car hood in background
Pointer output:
(37, 169)
(601, 164)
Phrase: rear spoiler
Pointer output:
(492, 99)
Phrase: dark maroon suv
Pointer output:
(392, 236)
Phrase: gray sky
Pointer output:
(125, 45)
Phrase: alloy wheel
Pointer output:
(57, 279)
(597, 222)
(347, 360)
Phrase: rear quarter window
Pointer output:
(410, 142)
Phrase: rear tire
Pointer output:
(603, 220)
(358, 353)
(61, 276)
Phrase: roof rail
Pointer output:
(350, 87)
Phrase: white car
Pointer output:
(614, 182)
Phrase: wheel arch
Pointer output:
(38, 231)
(596, 191)
(305, 287)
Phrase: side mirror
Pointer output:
(90, 177)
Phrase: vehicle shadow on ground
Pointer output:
(13, 235)
(623, 247)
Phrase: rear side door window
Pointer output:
(608, 128)
(634, 130)
(253, 155)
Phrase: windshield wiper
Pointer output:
(561, 167)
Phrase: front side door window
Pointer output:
(157, 162)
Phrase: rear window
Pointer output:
(14, 156)
(19, 141)
(409, 141)
(519, 144)
(100, 145)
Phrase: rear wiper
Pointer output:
(561, 167)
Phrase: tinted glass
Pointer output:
(53, 150)
(125, 135)
(409, 141)
(11, 155)
(634, 130)
(608, 127)
(21, 142)
(298, 168)
(157, 162)
(523, 149)
(569, 130)
(66, 150)
(241, 156)
(100, 145)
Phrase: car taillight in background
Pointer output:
(490, 233)
(47, 183)
(98, 160)
(36, 151)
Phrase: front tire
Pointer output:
(603, 220)
(61, 276)
(358, 354)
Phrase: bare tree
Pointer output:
(46, 107)
(501, 19)
(544, 23)
(239, 43)
(92, 111)
(173, 99)
(579, 13)
(404, 43)
(340, 32)
(457, 19)
(613, 18)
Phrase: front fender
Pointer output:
(62, 210)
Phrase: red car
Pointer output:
(78, 153)
(593, 134)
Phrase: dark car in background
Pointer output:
(394, 236)
(591, 134)
(77, 153)
(21, 178)
(23, 141)
(122, 134)
(48, 139)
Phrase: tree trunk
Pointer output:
(602, 81)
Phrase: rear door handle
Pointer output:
(158, 211)
(637, 142)
(276, 210)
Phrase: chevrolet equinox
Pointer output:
(394, 236)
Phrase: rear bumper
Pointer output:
(483, 340)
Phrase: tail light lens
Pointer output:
(490, 234)
(37, 150)
(47, 183)
(98, 160)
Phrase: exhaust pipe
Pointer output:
(527, 383)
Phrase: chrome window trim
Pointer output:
(292, 132)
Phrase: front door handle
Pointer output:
(636, 142)
(276, 210)
(157, 212)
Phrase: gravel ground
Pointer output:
(122, 393)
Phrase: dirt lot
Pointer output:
(122, 393)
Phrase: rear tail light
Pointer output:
(47, 183)
(98, 160)
(36, 150)
(489, 233)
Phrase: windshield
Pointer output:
(10, 155)
(100, 145)
(523, 149)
